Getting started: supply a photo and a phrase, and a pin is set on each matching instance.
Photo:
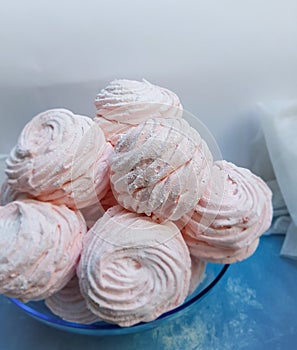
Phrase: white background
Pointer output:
(221, 57)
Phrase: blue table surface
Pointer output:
(254, 307)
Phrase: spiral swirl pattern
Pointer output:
(160, 168)
(40, 244)
(234, 211)
(69, 304)
(127, 103)
(60, 157)
(133, 269)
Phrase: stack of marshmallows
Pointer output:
(114, 218)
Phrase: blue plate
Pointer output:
(38, 310)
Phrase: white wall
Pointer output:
(220, 57)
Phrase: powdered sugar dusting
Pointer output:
(201, 330)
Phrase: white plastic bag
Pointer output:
(279, 123)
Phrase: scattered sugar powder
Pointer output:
(223, 321)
